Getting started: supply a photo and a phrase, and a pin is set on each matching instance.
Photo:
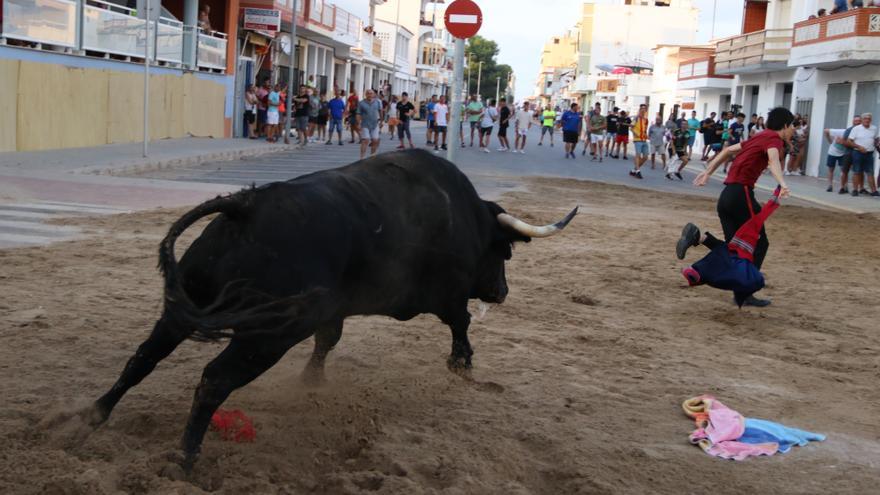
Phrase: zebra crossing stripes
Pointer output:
(27, 224)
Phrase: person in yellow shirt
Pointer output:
(640, 141)
(548, 120)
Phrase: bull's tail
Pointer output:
(237, 306)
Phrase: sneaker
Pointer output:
(855, 193)
(639, 175)
(786, 173)
(843, 190)
(540, 144)
(329, 142)
(669, 176)
(875, 194)
(690, 236)
(340, 143)
(436, 148)
(830, 189)
(863, 191)
(443, 147)
(632, 174)
(429, 143)
(485, 150)
(678, 175)
(501, 149)
(600, 159)
(755, 302)
(692, 276)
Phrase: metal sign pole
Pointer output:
(147, 17)
(454, 121)
(290, 74)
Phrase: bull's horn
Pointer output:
(529, 230)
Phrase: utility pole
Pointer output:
(479, 75)
(290, 74)
(497, 88)
(147, 17)
(469, 72)
(457, 73)
(394, 56)
(714, 8)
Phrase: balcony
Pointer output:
(761, 51)
(848, 38)
(699, 73)
(377, 47)
(108, 30)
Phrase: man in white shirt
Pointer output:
(487, 122)
(523, 121)
(441, 112)
(839, 154)
(863, 141)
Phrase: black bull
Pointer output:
(398, 234)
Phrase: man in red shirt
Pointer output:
(737, 203)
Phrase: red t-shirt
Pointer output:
(352, 102)
(752, 159)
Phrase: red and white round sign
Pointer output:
(463, 18)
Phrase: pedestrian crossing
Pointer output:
(27, 224)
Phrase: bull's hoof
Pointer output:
(312, 376)
(94, 415)
(458, 364)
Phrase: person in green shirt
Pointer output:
(548, 120)
(693, 127)
(473, 110)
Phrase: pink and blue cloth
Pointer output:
(725, 433)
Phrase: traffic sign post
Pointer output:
(463, 19)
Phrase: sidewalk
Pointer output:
(811, 189)
(95, 176)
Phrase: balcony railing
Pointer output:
(347, 24)
(856, 22)
(760, 51)
(699, 68)
(107, 28)
(377, 47)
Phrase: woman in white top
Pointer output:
(487, 121)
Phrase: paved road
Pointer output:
(492, 173)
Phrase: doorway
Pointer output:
(836, 115)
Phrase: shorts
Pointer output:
(597, 138)
(681, 153)
(352, 120)
(570, 136)
(250, 117)
(545, 129)
(844, 161)
(475, 124)
(261, 116)
(486, 131)
(440, 128)
(658, 148)
(863, 163)
(640, 147)
(322, 120)
(313, 120)
(522, 132)
(302, 122)
(272, 118)
(335, 125)
(692, 140)
(621, 138)
(431, 125)
(502, 130)
(610, 134)
(403, 130)
(368, 134)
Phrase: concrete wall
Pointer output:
(50, 105)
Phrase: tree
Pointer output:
(484, 50)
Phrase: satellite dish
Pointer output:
(285, 44)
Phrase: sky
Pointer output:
(521, 32)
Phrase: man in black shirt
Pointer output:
(621, 140)
(405, 110)
(503, 123)
(707, 127)
(611, 129)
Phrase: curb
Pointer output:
(809, 199)
(148, 165)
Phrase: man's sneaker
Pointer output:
(669, 176)
(501, 149)
(429, 143)
(638, 175)
(329, 142)
(755, 302)
(692, 276)
(875, 194)
(436, 148)
(678, 174)
(340, 143)
(863, 191)
(830, 189)
(443, 147)
(855, 193)
(485, 150)
(551, 144)
(843, 190)
(632, 174)
(540, 143)
(690, 236)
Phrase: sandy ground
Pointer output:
(579, 376)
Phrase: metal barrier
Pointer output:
(40, 21)
(212, 50)
(169, 41)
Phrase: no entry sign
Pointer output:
(463, 18)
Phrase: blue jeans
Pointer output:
(641, 147)
(336, 124)
(863, 162)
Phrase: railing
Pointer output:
(856, 22)
(114, 29)
(347, 24)
(212, 49)
(377, 47)
(753, 49)
(107, 28)
(698, 68)
(40, 21)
